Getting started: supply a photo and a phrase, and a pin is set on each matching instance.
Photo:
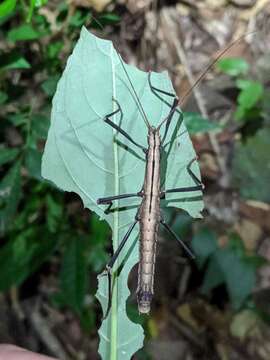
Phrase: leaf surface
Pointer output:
(85, 155)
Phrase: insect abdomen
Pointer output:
(149, 223)
(146, 271)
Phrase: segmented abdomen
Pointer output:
(146, 272)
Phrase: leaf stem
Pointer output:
(114, 319)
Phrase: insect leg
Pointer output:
(185, 247)
(173, 106)
(109, 266)
(168, 119)
(109, 199)
(119, 129)
(155, 90)
(199, 185)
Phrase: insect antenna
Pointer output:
(211, 64)
(202, 75)
(139, 104)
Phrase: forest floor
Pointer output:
(199, 314)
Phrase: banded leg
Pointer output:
(199, 185)
(168, 119)
(109, 266)
(185, 247)
(173, 106)
(119, 129)
(155, 90)
(108, 200)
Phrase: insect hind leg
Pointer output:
(109, 266)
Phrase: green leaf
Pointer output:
(239, 274)
(83, 154)
(98, 256)
(40, 125)
(23, 254)
(78, 19)
(10, 191)
(213, 277)
(54, 213)
(33, 163)
(13, 60)
(3, 97)
(251, 165)
(233, 66)
(34, 4)
(250, 95)
(109, 18)
(6, 7)
(73, 275)
(49, 85)
(195, 123)
(17, 119)
(242, 83)
(54, 49)
(23, 33)
(7, 155)
(204, 244)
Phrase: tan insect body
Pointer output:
(149, 216)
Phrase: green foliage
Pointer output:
(233, 66)
(23, 33)
(7, 155)
(22, 255)
(204, 244)
(83, 155)
(13, 60)
(230, 265)
(30, 63)
(73, 275)
(38, 223)
(6, 7)
(251, 165)
(251, 93)
(195, 123)
(10, 190)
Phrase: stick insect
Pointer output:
(149, 215)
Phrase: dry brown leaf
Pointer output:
(257, 212)
(185, 313)
(137, 5)
(98, 5)
(244, 324)
(249, 232)
(216, 4)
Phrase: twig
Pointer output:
(197, 94)
(15, 303)
(43, 329)
(187, 333)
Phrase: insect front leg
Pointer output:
(156, 90)
(118, 128)
(173, 106)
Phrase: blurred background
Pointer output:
(214, 308)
